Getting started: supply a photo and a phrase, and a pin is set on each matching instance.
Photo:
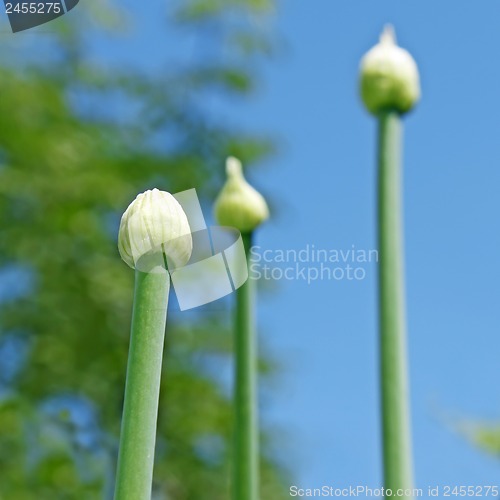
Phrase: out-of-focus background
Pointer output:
(115, 98)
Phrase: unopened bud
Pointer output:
(389, 76)
(239, 205)
(155, 224)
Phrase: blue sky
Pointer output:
(324, 334)
(326, 331)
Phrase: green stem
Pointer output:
(246, 444)
(393, 350)
(140, 411)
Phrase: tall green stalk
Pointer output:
(240, 206)
(246, 433)
(140, 411)
(148, 239)
(393, 350)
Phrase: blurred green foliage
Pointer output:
(487, 438)
(483, 435)
(67, 172)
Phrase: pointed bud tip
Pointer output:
(388, 35)
(233, 166)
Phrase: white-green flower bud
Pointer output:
(389, 76)
(239, 205)
(154, 225)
